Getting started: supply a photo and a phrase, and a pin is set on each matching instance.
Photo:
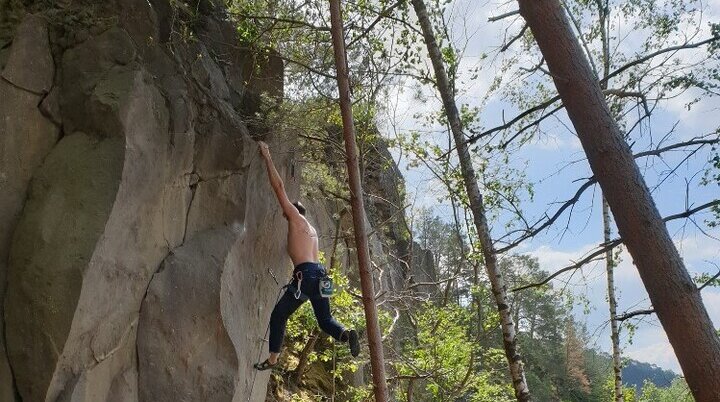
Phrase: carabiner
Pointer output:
(298, 293)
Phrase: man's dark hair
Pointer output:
(299, 207)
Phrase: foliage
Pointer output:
(299, 32)
(347, 311)
(712, 178)
(678, 391)
(444, 359)
(629, 393)
(706, 279)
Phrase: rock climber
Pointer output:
(302, 246)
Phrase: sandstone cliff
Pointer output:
(136, 223)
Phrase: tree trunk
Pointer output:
(303, 358)
(673, 295)
(612, 303)
(522, 393)
(358, 208)
(603, 12)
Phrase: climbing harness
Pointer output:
(298, 292)
(326, 287)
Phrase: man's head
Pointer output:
(300, 207)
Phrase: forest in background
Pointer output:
(444, 343)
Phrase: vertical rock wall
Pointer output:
(26, 137)
(136, 222)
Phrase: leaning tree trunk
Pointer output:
(522, 393)
(377, 362)
(612, 303)
(674, 296)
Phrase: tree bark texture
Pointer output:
(517, 373)
(612, 304)
(674, 296)
(377, 361)
(304, 355)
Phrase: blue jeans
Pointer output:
(286, 306)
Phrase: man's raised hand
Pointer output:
(264, 149)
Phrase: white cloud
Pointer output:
(552, 259)
(556, 141)
(711, 299)
(700, 118)
(697, 249)
(651, 345)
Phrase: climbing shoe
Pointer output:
(266, 365)
(354, 343)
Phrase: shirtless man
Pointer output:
(302, 246)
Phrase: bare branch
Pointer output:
(382, 14)
(589, 258)
(631, 314)
(296, 23)
(657, 53)
(610, 245)
(514, 39)
(305, 66)
(392, 326)
(503, 16)
(418, 284)
(531, 125)
(692, 211)
(549, 102)
(544, 105)
(695, 141)
(709, 281)
(537, 229)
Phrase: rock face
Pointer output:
(26, 137)
(30, 64)
(137, 226)
(184, 351)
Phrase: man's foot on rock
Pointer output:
(266, 365)
(354, 342)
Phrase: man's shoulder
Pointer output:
(298, 220)
(301, 223)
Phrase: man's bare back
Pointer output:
(302, 241)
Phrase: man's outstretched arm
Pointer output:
(277, 184)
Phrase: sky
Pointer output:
(545, 162)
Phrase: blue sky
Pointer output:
(552, 150)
